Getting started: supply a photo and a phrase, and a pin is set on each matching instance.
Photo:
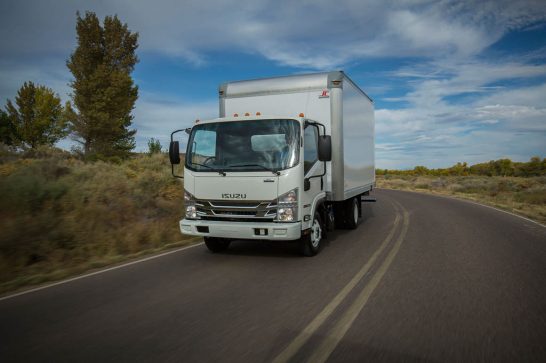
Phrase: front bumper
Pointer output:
(241, 230)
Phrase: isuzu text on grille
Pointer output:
(233, 196)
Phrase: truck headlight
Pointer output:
(287, 206)
(189, 206)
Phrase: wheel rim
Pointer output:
(316, 233)
(355, 213)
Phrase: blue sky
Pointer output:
(452, 81)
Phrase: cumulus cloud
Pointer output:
(158, 119)
(455, 98)
(317, 34)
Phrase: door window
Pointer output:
(310, 152)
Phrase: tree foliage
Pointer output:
(103, 91)
(37, 117)
(502, 167)
(7, 129)
(154, 146)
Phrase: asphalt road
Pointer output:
(423, 278)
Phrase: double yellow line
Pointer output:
(329, 343)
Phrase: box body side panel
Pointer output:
(358, 141)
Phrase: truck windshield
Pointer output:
(255, 145)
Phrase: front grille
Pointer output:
(259, 211)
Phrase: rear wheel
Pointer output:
(351, 213)
(215, 244)
(310, 243)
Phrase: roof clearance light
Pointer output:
(258, 114)
(247, 114)
(235, 115)
(302, 115)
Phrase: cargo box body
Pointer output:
(330, 98)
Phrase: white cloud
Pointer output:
(158, 119)
(317, 34)
(447, 36)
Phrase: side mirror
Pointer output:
(325, 148)
(174, 152)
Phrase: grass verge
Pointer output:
(522, 196)
(60, 216)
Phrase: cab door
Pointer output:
(312, 169)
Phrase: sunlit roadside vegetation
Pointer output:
(61, 215)
(518, 187)
(502, 167)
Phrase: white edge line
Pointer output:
(98, 272)
(468, 201)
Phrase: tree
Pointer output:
(154, 146)
(37, 117)
(504, 167)
(103, 91)
(7, 129)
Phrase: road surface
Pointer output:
(423, 278)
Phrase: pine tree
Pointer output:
(7, 129)
(37, 118)
(103, 91)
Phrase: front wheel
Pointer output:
(310, 243)
(215, 244)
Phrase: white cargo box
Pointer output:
(330, 98)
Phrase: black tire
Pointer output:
(310, 243)
(215, 244)
(352, 212)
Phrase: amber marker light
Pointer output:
(247, 114)
(235, 115)
(302, 115)
(258, 114)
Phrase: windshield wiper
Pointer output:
(221, 172)
(276, 172)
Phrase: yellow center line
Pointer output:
(312, 327)
(337, 333)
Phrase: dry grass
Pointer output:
(60, 216)
(523, 196)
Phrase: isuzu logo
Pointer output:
(233, 196)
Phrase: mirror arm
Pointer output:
(175, 131)
(316, 124)
(172, 172)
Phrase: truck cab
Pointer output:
(255, 177)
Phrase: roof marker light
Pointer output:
(302, 115)
(235, 115)
(258, 114)
(247, 114)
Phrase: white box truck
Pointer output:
(289, 158)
